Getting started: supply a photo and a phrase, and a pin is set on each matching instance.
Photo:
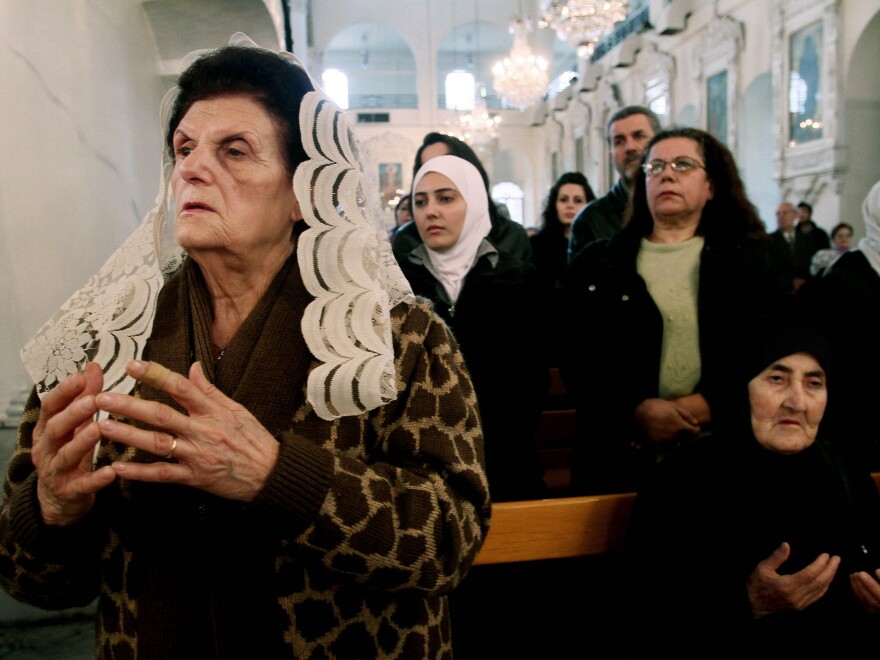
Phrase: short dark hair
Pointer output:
(629, 111)
(839, 226)
(552, 223)
(729, 213)
(275, 83)
(456, 148)
(805, 205)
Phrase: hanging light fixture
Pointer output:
(521, 77)
(479, 127)
(583, 23)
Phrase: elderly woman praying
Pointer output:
(264, 445)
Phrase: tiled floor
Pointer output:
(72, 639)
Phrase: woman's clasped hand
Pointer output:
(220, 447)
(64, 443)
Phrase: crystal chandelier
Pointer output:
(520, 78)
(479, 127)
(583, 23)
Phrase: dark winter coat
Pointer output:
(499, 331)
(617, 334)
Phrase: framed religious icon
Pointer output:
(805, 84)
(390, 180)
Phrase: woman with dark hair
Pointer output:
(566, 198)
(234, 442)
(655, 310)
(506, 235)
(763, 536)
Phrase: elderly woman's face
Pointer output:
(678, 194)
(787, 401)
(232, 190)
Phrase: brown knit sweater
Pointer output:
(362, 528)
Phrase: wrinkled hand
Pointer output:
(770, 592)
(867, 590)
(221, 448)
(64, 442)
(663, 420)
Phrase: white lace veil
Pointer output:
(344, 256)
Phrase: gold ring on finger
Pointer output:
(173, 449)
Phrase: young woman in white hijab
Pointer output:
(846, 302)
(453, 219)
(489, 299)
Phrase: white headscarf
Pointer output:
(344, 256)
(870, 244)
(454, 263)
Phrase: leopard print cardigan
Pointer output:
(362, 529)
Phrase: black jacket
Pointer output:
(797, 257)
(499, 331)
(711, 513)
(601, 218)
(550, 254)
(845, 303)
(616, 333)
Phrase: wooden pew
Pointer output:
(556, 528)
(559, 528)
(553, 438)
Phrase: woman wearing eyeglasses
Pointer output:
(657, 308)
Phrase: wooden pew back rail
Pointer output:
(558, 528)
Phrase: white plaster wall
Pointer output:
(861, 89)
(755, 116)
(81, 137)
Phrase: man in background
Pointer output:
(629, 130)
(812, 237)
(790, 246)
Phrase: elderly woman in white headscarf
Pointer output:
(846, 303)
(489, 299)
(234, 440)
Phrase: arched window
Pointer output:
(379, 64)
(460, 90)
(511, 195)
(336, 85)
(469, 49)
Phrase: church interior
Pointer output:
(789, 86)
